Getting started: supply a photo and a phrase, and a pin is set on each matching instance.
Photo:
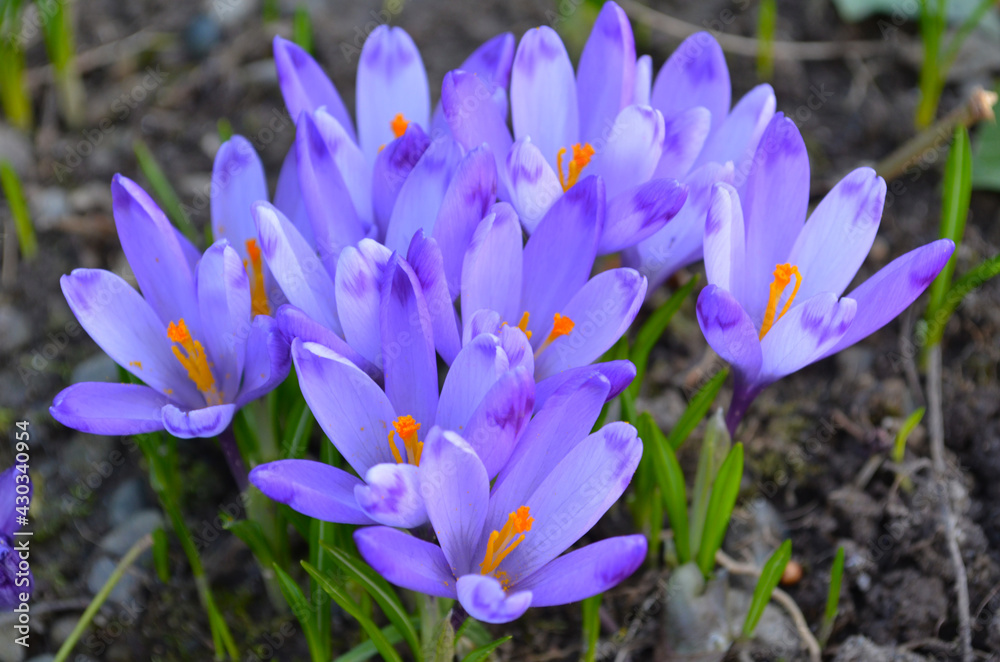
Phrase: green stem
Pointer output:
(166, 486)
(130, 557)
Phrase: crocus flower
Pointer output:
(238, 181)
(544, 286)
(488, 395)
(13, 580)
(498, 550)
(191, 337)
(335, 196)
(350, 185)
(711, 143)
(774, 301)
(567, 127)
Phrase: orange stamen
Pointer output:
(407, 429)
(561, 326)
(782, 277)
(255, 270)
(194, 360)
(399, 124)
(503, 542)
(581, 157)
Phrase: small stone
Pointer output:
(97, 368)
(126, 534)
(128, 499)
(99, 574)
(87, 454)
(15, 329)
(11, 651)
(48, 206)
(201, 35)
(92, 196)
(862, 649)
(62, 628)
(16, 147)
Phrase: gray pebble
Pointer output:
(126, 534)
(97, 368)
(127, 499)
(16, 147)
(862, 649)
(48, 206)
(15, 329)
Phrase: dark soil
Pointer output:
(810, 438)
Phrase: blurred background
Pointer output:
(151, 89)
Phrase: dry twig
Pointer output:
(935, 416)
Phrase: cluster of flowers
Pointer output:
(415, 240)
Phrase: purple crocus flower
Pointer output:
(191, 337)
(773, 304)
(499, 549)
(350, 183)
(711, 143)
(488, 395)
(13, 580)
(545, 287)
(567, 127)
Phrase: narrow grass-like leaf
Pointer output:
(591, 613)
(252, 535)
(933, 21)
(353, 609)
(130, 557)
(380, 591)
(225, 128)
(303, 611)
(652, 330)
(164, 191)
(57, 28)
(714, 450)
(14, 95)
(302, 33)
(972, 280)
(911, 422)
(483, 653)
(954, 211)
(14, 194)
(770, 575)
(670, 479)
(161, 555)
(767, 20)
(697, 409)
(720, 508)
(366, 649)
(301, 424)
(441, 647)
(832, 597)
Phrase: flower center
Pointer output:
(561, 326)
(255, 270)
(399, 124)
(194, 361)
(503, 542)
(782, 277)
(581, 157)
(523, 324)
(406, 428)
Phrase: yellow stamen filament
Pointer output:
(581, 157)
(503, 542)
(407, 429)
(561, 326)
(255, 270)
(782, 277)
(194, 360)
(399, 124)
